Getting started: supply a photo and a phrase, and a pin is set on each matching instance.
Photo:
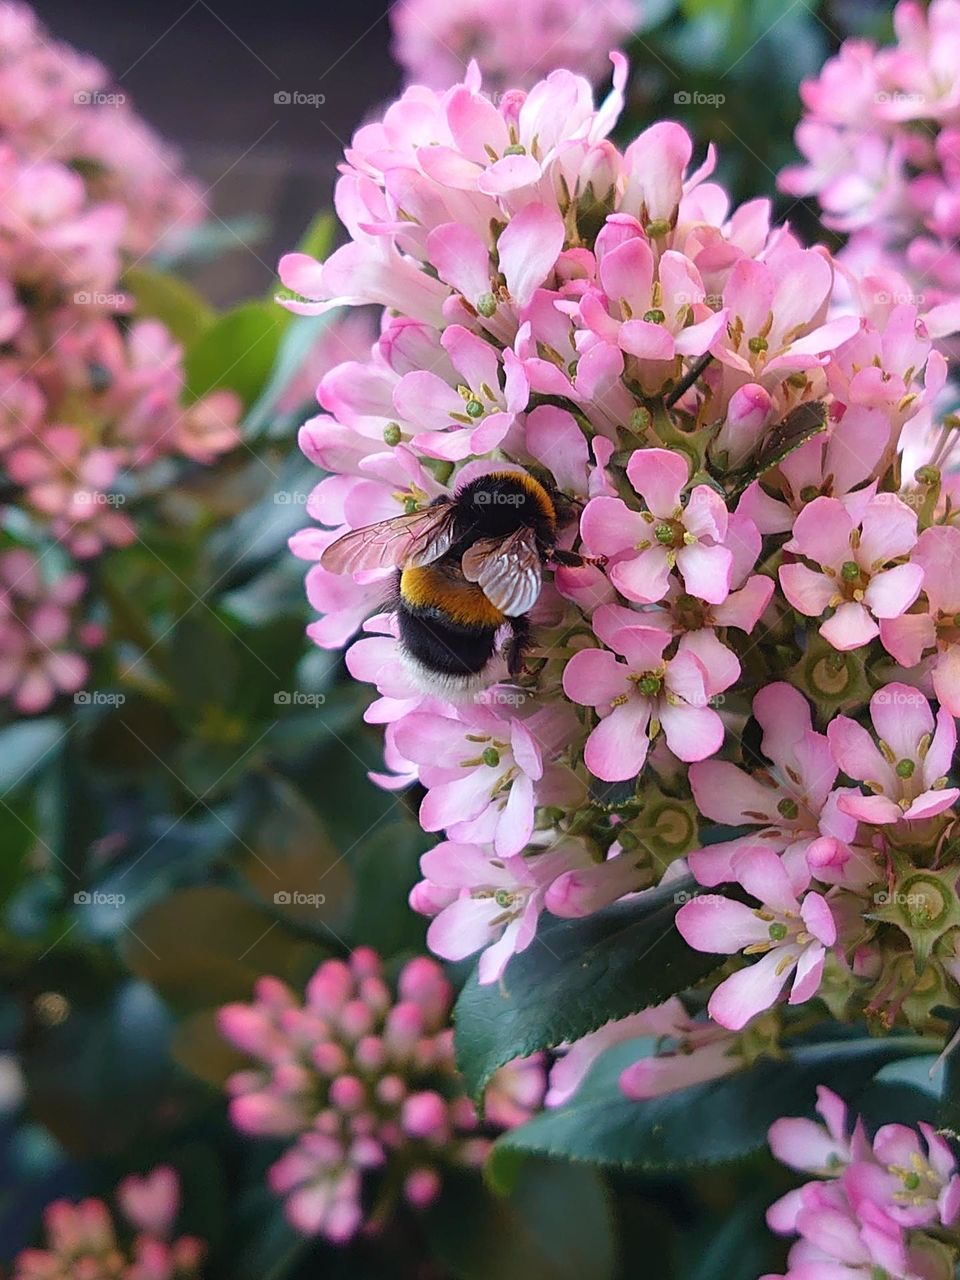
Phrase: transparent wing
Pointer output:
(417, 538)
(507, 571)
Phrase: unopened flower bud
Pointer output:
(424, 1115)
(421, 1187)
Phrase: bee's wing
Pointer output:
(507, 571)
(419, 537)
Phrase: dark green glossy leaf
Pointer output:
(207, 945)
(161, 296)
(708, 1124)
(575, 976)
(555, 1225)
(237, 351)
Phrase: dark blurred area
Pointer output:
(205, 76)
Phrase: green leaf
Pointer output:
(291, 862)
(298, 339)
(25, 747)
(204, 660)
(948, 1115)
(167, 298)
(199, 1048)
(98, 1078)
(789, 434)
(387, 866)
(737, 1246)
(708, 1124)
(575, 976)
(237, 351)
(206, 945)
(555, 1225)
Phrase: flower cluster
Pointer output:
(87, 399)
(744, 540)
(890, 1207)
(880, 137)
(514, 43)
(83, 1240)
(40, 632)
(361, 1078)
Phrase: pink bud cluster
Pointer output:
(514, 43)
(880, 137)
(83, 1241)
(42, 636)
(888, 1207)
(84, 398)
(361, 1078)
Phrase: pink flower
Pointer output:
(151, 1202)
(790, 801)
(935, 627)
(906, 773)
(822, 1148)
(685, 1052)
(473, 415)
(39, 633)
(668, 534)
(859, 574)
(483, 772)
(486, 902)
(871, 1208)
(691, 1051)
(209, 428)
(777, 309)
(791, 933)
(637, 697)
(514, 45)
(832, 464)
(361, 1075)
(81, 1239)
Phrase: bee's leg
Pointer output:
(574, 559)
(517, 644)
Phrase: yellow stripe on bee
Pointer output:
(429, 587)
(534, 488)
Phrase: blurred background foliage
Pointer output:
(221, 760)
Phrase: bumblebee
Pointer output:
(467, 567)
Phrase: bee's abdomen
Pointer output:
(442, 589)
(446, 623)
(441, 645)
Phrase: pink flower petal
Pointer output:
(659, 476)
(529, 248)
(749, 991)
